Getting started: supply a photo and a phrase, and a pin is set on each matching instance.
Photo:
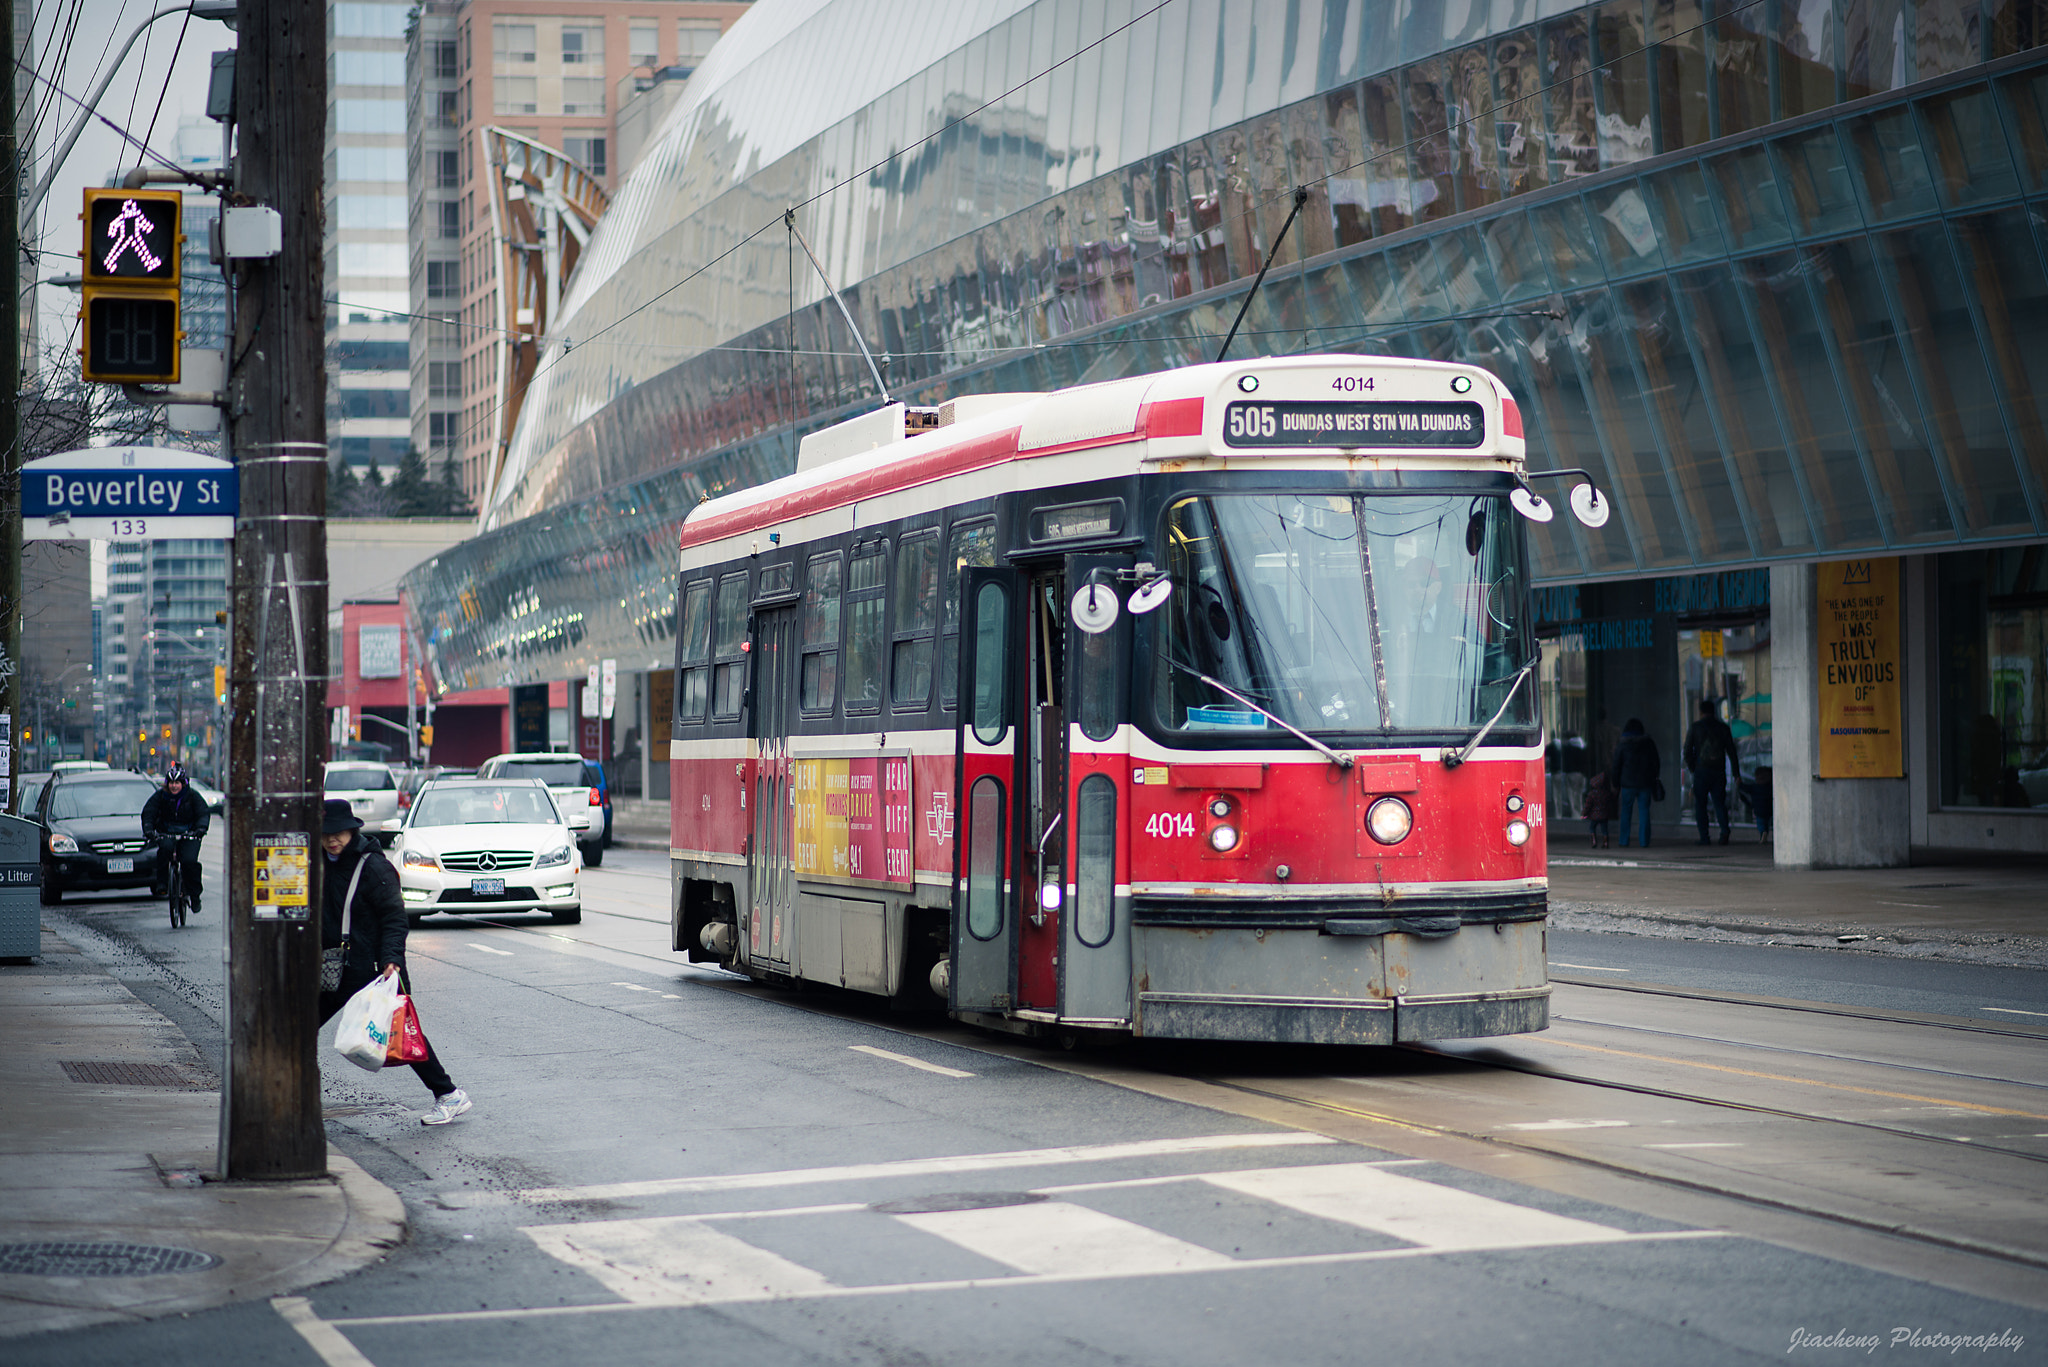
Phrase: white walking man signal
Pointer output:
(127, 231)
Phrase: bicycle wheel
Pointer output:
(174, 903)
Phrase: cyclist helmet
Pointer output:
(174, 774)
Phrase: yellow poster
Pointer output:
(1858, 632)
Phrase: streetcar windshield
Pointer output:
(1342, 612)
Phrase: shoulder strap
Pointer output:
(348, 900)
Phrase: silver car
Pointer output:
(372, 794)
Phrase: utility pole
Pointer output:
(277, 426)
(10, 432)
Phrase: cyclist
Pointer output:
(172, 811)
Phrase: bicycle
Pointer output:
(179, 903)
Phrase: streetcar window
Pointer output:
(728, 634)
(916, 614)
(693, 650)
(1341, 613)
(991, 664)
(1095, 861)
(864, 602)
(821, 634)
(972, 546)
(1097, 678)
(985, 858)
(777, 578)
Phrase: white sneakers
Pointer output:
(446, 1108)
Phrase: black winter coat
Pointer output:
(377, 929)
(1636, 763)
(163, 812)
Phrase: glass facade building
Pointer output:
(1775, 271)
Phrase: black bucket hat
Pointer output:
(337, 816)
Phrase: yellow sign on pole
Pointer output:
(1713, 645)
(282, 876)
(1857, 631)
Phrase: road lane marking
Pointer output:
(334, 1349)
(2014, 1011)
(1588, 968)
(1056, 1236)
(1428, 1214)
(488, 949)
(907, 1061)
(1807, 1081)
(909, 1167)
(1692, 1146)
(1563, 1124)
(675, 1261)
(994, 1283)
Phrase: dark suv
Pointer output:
(92, 832)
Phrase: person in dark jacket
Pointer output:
(175, 810)
(1634, 772)
(1599, 809)
(1709, 746)
(376, 938)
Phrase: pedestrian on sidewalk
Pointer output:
(1599, 808)
(1636, 772)
(358, 870)
(1709, 747)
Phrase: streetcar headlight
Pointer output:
(1389, 821)
(1518, 833)
(1219, 807)
(1223, 837)
(1514, 803)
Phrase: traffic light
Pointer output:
(167, 730)
(129, 286)
(220, 683)
(427, 736)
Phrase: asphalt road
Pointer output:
(665, 1164)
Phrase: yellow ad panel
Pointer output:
(1857, 628)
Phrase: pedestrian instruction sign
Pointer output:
(283, 875)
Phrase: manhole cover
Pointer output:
(957, 1200)
(131, 1074)
(100, 1260)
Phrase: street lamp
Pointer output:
(222, 11)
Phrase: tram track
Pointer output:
(1810, 1008)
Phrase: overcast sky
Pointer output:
(95, 30)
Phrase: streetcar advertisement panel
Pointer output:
(853, 818)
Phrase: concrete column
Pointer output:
(1821, 823)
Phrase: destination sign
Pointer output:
(1292, 424)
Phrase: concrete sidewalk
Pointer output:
(1967, 906)
(108, 1136)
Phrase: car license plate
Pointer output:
(488, 887)
(124, 865)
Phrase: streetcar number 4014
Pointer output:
(1351, 384)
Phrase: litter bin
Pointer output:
(21, 879)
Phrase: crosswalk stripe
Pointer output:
(675, 1261)
(1435, 1216)
(1053, 1236)
(912, 1167)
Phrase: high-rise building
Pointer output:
(551, 72)
(367, 374)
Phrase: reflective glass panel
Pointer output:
(1970, 147)
(991, 664)
(1890, 168)
(1095, 861)
(1746, 183)
(1685, 215)
(1599, 335)
(1993, 620)
(1803, 39)
(1742, 79)
(1517, 261)
(1518, 113)
(2026, 98)
(2001, 266)
(1817, 181)
(1677, 399)
(1626, 229)
(1567, 241)
(986, 837)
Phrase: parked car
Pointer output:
(575, 783)
(30, 785)
(78, 766)
(371, 791)
(216, 801)
(92, 832)
(477, 844)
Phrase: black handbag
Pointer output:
(1656, 793)
(331, 960)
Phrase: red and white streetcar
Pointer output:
(1195, 705)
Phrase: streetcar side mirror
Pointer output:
(1150, 595)
(1587, 505)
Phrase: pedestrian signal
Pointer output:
(129, 286)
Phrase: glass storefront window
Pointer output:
(1992, 624)
(1731, 666)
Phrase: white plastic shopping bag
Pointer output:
(363, 1032)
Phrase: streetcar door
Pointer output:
(771, 924)
(1095, 922)
(1042, 792)
(985, 773)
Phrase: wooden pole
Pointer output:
(10, 432)
(277, 424)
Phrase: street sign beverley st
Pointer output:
(128, 493)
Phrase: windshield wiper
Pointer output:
(1452, 757)
(1336, 757)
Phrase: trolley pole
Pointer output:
(277, 428)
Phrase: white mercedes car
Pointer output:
(473, 845)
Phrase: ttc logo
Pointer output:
(938, 818)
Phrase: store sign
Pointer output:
(1857, 627)
(377, 653)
